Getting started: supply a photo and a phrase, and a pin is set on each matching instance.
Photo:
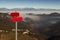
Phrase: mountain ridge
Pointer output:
(28, 9)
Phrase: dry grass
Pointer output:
(11, 36)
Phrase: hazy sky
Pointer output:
(53, 4)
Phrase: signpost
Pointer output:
(16, 32)
(16, 18)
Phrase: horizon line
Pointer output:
(29, 7)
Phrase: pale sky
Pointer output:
(51, 4)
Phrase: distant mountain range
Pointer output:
(28, 9)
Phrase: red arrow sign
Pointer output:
(17, 19)
(14, 14)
